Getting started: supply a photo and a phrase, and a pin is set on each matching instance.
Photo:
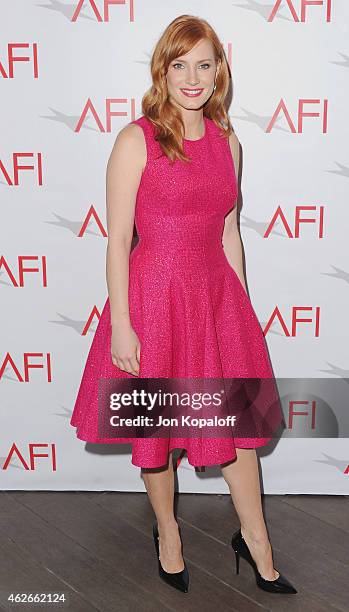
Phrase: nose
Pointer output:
(192, 78)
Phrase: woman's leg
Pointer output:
(242, 477)
(159, 484)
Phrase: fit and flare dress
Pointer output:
(186, 303)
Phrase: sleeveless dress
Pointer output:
(186, 303)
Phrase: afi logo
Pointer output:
(276, 314)
(92, 214)
(292, 413)
(282, 109)
(16, 167)
(94, 313)
(106, 4)
(297, 221)
(42, 269)
(326, 4)
(14, 451)
(32, 57)
(44, 364)
(108, 113)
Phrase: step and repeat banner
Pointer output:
(72, 74)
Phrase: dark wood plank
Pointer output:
(87, 533)
(207, 523)
(301, 547)
(104, 585)
(301, 533)
(332, 509)
(112, 538)
(21, 573)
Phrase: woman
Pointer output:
(178, 305)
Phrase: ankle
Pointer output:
(167, 525)
(257, 538)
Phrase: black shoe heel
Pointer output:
(280, 585)
(178, 580)
(237, 560)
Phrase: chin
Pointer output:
(190, 104)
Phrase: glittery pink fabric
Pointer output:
(187, 305)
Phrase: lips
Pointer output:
(192, 93)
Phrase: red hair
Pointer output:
(180, 36)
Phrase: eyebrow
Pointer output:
(202, 60)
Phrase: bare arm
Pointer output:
(124, 171)
(231, 239)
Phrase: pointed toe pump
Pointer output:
(178, 580)
(280, 585)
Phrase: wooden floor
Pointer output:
(98, 549)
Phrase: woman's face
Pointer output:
(191, 77)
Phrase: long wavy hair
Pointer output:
(180, 36)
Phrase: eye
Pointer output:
(177, 64)
(208, 66)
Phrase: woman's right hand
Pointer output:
(125, 348)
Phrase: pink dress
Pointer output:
(187, 305)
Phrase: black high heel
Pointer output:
(280, 585)
(179, 580)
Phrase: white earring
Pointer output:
(214, 87)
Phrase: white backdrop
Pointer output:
(76, 54)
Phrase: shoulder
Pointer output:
(234, 143)
(130, 144)
(233, 140)
(131, 134)
(235, 149)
